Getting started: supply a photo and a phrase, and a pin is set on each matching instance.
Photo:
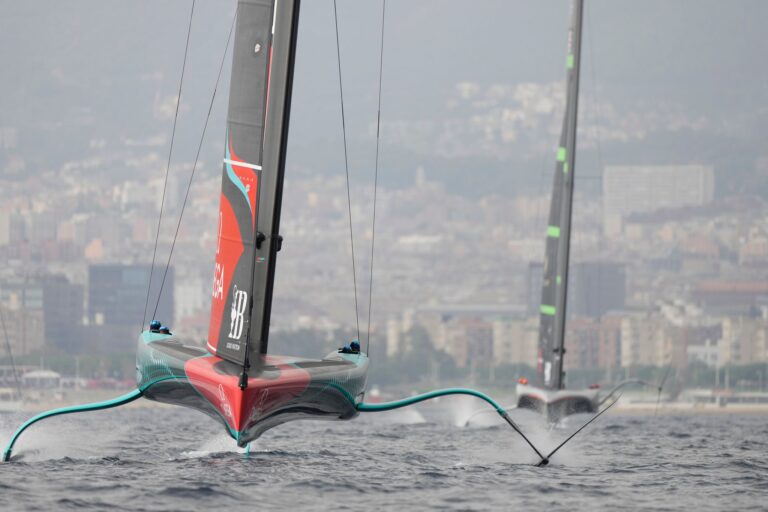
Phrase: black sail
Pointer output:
(252, 176)
(555, 283)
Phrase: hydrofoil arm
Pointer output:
(405, 402)
(96, 406)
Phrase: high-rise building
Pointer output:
(594, 288)
(117, 295)
(21, 301)
(12, 228)
(63, 311)
(646, 188)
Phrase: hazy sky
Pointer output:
(470, 88)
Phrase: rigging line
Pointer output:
(375, 178)
(10, 353)
(168, 165)
(194, 165)
(346, 168)
(592, 67)
(594, 106)
(661, 388)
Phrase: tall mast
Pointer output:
(555, 283)
(285, 32)
(252, 182)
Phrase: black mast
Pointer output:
(286, 27)
(555, 283)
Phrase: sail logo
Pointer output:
(236, 321)
(218, 282)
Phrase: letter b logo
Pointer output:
(239, 301)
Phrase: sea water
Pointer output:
(175, 459)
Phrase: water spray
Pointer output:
(544, 461)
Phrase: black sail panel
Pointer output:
(285, 29)
(555, 280)
(241, 188)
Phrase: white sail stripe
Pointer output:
(213, 349)
(242, 164)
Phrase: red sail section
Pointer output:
(229, 248)
(233, 269)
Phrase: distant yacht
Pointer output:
(549, 395)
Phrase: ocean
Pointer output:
(164, 458)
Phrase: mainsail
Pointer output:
(555, 282)
(252, 176)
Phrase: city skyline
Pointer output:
(467, 157)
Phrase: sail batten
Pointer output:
(555, 279)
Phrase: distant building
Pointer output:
(63, 312)
(25, 330)
(117, 295)
(22, 293)
(594, 288)
(708, 353)
(642, 340)
(582, 343)
(469, 341)
(641, 189)
(43, 227)
(43, 309)
(515, 341)
(21, 301)
(744, 341)
(466, 332)
(609, 352)
(730, 297)
(12, 228)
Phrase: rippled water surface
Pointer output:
(176, 459)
